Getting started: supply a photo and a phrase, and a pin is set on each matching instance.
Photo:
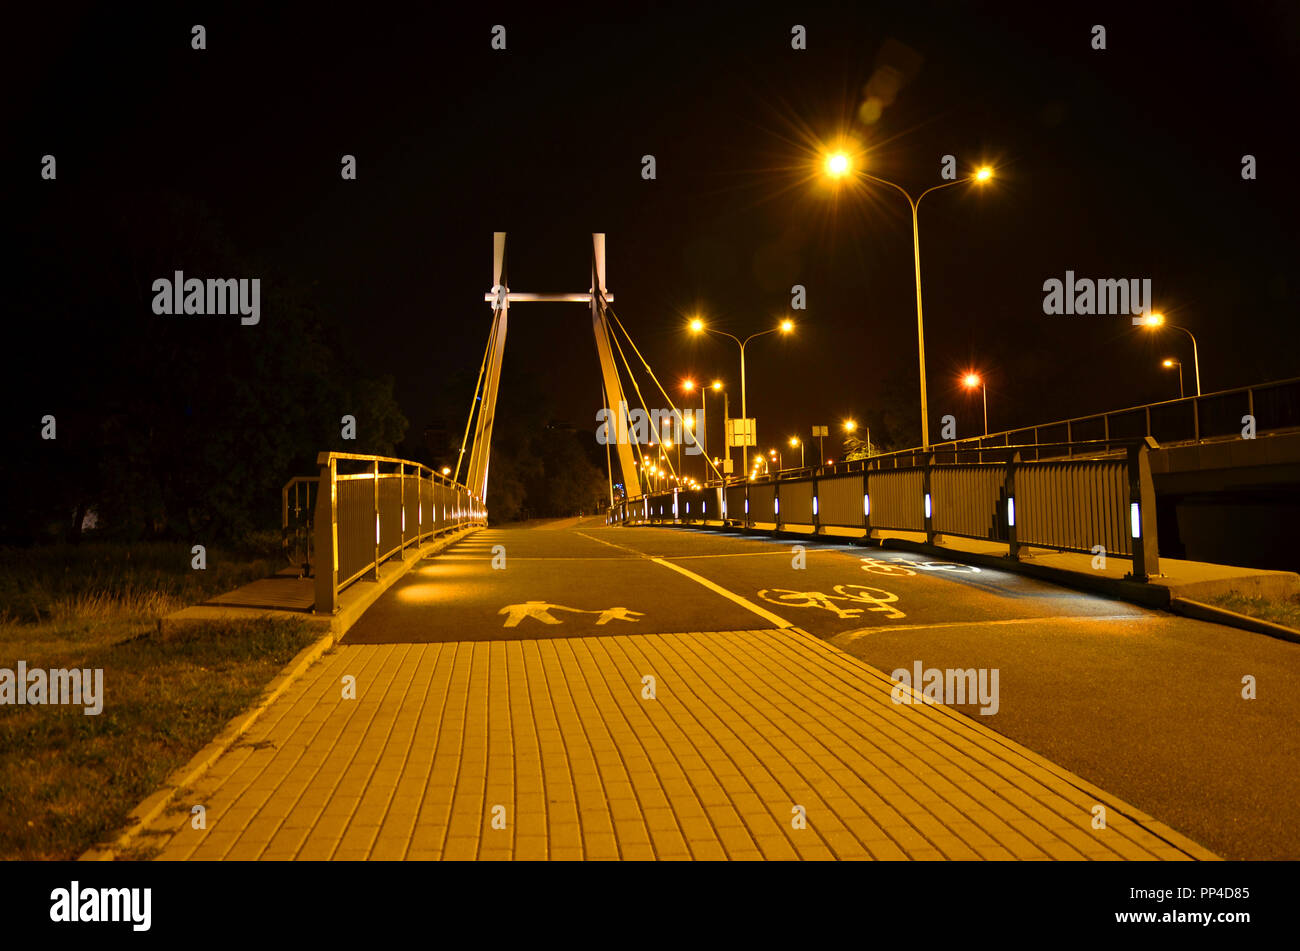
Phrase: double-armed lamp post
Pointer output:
(786, 326)
(839, 166)
(1154, 322)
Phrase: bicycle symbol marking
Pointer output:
(904, 569)
(880, 600)
(879, 567)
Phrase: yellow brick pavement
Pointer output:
(550, 749)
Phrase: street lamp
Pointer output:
(972, 380)
(795, 441)
(838, 166)
(1156, 321)
(702, 434)
(775, 454)
(786, 326)
(1170, 362)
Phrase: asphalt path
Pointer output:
(1145, 704)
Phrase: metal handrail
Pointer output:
(1194, 401)
(1065, 514)
(361, 520)
(296, 538)
(325, 457)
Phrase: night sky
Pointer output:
(1122, 163)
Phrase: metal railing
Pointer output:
(1098, 498)
(1273, 406)
(365, 517)
(296, 520)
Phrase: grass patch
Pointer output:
(100, 580)
(68, 780)
(1285, 611)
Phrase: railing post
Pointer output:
(401, 476)
(776, 502)
(1009, 488)
(816, 507)
(1142, 512)
(866, 502)
(927, 502)
(327, 539)
(1196, 414)
(419, 506)
(374, 567)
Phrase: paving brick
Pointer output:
(746, 725)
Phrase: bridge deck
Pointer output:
(523, 686)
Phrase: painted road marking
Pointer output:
(718, 589)
(849, 636)
(541, 611)
(699, 579)
(855, 593)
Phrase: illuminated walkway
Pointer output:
(757, 744)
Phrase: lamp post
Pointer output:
(796, 441)
(703, 431)
(838, 165)
(1176, 363)
(1156, 321)
(851, 426)
(972, 380)
(785, 327)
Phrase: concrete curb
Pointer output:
(1208, 612)
(202, 761)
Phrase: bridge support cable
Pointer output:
(622, 420)
(651, 373)
(654, 436)
(614, 398)
(609, 459)
(480, 456)
(474, 402)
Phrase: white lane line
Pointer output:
(699, 579)
(718, 589)
(854, 635)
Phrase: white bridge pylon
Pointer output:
(501, 297)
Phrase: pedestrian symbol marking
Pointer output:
(541, 611)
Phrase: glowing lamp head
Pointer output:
(787, 325)
(837, 164)
(1154, 320)
(971, 380)
(983, 174)
(717, 385)
(697, 326)
(850, 425)
(793, 442)
(688, 385)
(1168, 363)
